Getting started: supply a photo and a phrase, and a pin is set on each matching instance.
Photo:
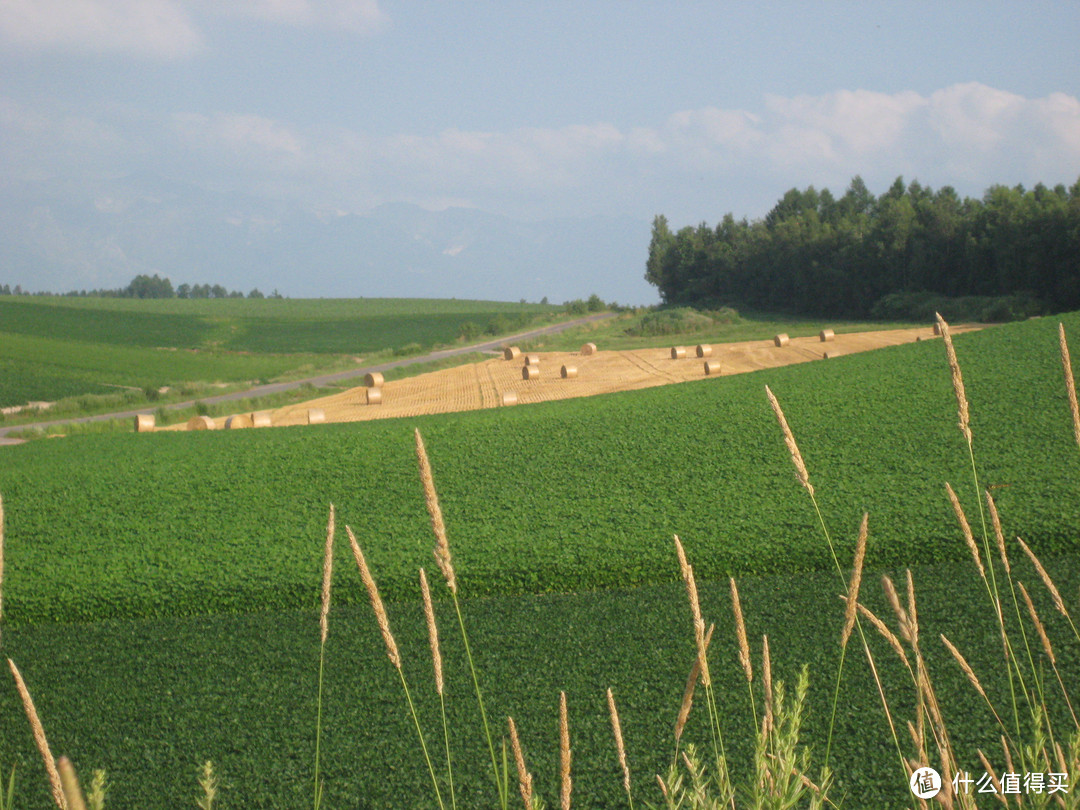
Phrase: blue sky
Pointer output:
(535, 109)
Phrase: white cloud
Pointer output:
(154, 28)
(357, 16)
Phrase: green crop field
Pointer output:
(161, 591)
(52, 348)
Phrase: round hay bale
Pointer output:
(704, 350)
(830, 355)
(532, 359)
(781, 340)
(374, 396)
(240, 420)
(201, 423)
(509, 398)
(678, 352)
(511, 353)
(588, 348)
(144, 422)
(373, 379)
(260, 420)
(315, 416)
(568, 372)
(826, 335)
(530, 372)
(918, 338)
(937, 328)
(712, 367)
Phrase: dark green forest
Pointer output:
(1012, 254)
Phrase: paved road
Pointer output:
(324, 379)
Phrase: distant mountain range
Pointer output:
(147, 224)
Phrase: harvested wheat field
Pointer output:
(493, 383)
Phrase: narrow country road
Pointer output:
(320, 380)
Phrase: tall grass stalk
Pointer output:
(436, 662)
(445, 563)
(55, 785)
(804, 479)
(392, 652)
(324, 629)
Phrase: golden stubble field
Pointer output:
(498, 382)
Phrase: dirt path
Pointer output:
(484, 385)
(323, 379)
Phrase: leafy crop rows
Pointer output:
(150, 700)
(561, 497)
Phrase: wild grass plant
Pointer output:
(1037, 727)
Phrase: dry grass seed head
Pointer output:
(433, 632)
(376, 601)
(328, 564)
(912, 613)
(766, 678)
(1059, 603)
(894, 602)
(691, 684)
(995, 519)
(620, 749)
(963, 415)
(993, 776)
(38, 731)
(70, 782)
(851, 610)
(789, 440)
(1070, 382)
(431, 498)
(965, 667)
(740, 633)
(695, 610)
(886, 633)
(564, 753)
(1047, 648)
(524, 777)
(969, 539)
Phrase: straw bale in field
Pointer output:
(240, 420)
(828, 355)
(568, 372)
(261, 420)
(530, 372)
(373, 379)
(144, 422)
(374, 396)
(315, 416)
(588, 348)
(532, 359)
(511, 353)
(826, 335)
(704, 350)
(781, 340)
(712, 367)
(509, 398)
(678, 352)
(200, 423)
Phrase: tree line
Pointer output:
(1016, 252)
(144, 286)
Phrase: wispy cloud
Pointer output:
(164, 29)
(145, 28)
(357, 16)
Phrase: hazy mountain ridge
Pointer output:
(146, 224)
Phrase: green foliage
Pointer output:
(680, 320)
(981, 308)
(815, 254)
(127, 542)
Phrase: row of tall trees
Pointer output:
(818, 255)
(144, 286)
